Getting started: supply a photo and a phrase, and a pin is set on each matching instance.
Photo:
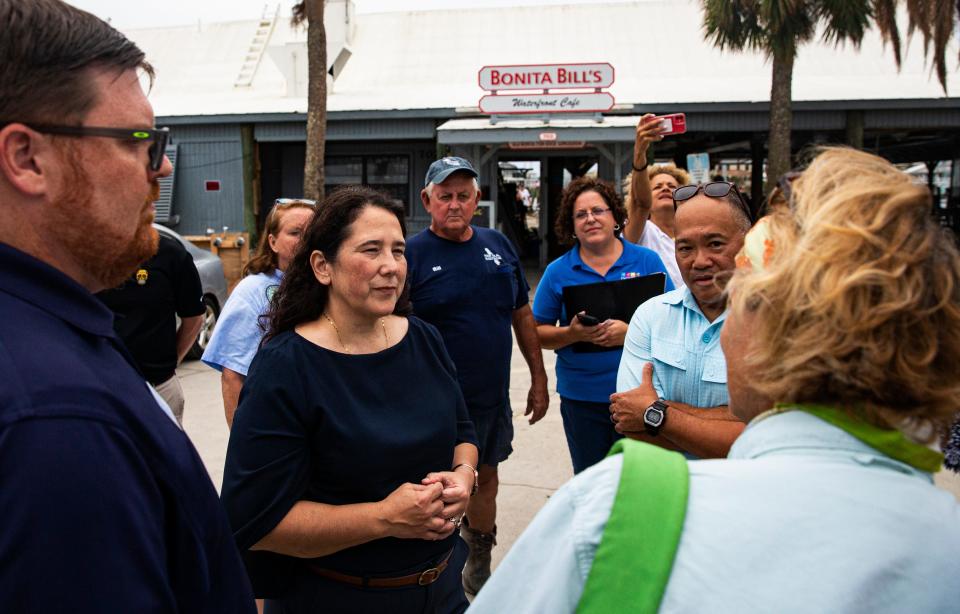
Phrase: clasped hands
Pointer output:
(431, 510)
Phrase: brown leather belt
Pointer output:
(424, 578)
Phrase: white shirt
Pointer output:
(801, 517)
(660, 242)
(525, 197)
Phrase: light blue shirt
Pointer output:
(236, 337)
(688, 365)
(801, 517)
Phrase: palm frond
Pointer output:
(845, 20)
(733, 24)
(298, 14)
(936, 21)
(885, 14)
(943, 26)
(790, 23)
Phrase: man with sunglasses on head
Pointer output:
(672, 382)
(105, 504)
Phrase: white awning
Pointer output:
(609, 129)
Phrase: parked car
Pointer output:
(214, 285)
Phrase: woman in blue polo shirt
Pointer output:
(590, 217)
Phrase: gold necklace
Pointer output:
(383, 326)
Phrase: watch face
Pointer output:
(653, 417)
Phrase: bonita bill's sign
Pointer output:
(547, 78)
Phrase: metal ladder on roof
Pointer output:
(257, 47)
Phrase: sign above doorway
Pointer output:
(531, 145)
(545, 76)
(533, 88)
(547, 103)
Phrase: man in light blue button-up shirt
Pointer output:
(678, 333)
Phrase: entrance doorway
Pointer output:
(518, 193)
(529, 222)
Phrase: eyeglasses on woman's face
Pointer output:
(594, 211)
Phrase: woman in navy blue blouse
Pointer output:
(351, 459)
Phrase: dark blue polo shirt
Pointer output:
(104, 503)
(469, 291)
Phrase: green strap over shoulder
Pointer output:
(633, 562)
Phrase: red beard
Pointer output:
(106, 257)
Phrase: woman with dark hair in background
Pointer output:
(237, 335)
(351, 458)
(590, 217)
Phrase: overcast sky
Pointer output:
(139, 14)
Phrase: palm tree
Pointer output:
(311, 13)
(779, 27)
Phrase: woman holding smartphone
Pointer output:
(590, 218)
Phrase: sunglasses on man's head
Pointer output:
(714, 189)
(157, 137)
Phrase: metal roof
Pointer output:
(430, 60)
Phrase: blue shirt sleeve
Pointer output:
(236, 338)
(547, 303)
(269, 444)
(522, 296)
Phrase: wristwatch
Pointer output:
(654, 417)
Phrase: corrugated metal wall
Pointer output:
(208, 153)
(352, 130)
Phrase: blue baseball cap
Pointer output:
(444, 167)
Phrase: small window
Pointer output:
(388, 174)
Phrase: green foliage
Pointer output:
(779, 27)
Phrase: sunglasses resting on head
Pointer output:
(714, 189)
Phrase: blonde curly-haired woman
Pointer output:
(843, 355)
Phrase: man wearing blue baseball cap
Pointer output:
(467, 281)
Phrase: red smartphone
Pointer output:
(675, 123)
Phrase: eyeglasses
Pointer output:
(285, 202)
(595, 212)
(157, 137)
(714, 189)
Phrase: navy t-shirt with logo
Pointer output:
(469, 291)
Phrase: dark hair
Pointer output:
(45, 51)
(564, 224)
(264, 259)
(301, 298)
